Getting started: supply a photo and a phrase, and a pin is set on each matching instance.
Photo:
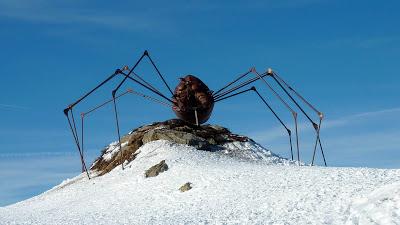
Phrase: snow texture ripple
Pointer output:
(229, 187)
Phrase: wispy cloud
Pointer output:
(376, 113)
(12, 107)
(259, 5)
(361, 139)
(90, 154)
(129, 16)
(278, 131)
(365, 42)
(64, 12)
(30, 176)
(373, 42)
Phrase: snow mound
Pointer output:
(382, 206)
(242, 184)
(206, 137)
(253, 151)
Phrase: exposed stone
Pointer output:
(156, 169)
(203, 137)
(186, 187)
(178, 137)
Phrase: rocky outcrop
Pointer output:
(179, 137)
(203, 137)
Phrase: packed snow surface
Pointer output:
(252, 186)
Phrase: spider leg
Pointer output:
(68, 111)
(150, 98)
(117, 121)
(247, 82)
(80, 145)
(149, 86)
(287, 106)
(144, 84)
(76, 139)
(318, 139)
(90, 92)
(158, 72)
(317, 128)
(234, 81)
(71, 120)
(82, 132)
(70, 116)
(118, 132)
(270, 108)
(129, 91)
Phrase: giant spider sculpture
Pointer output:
(193, 102)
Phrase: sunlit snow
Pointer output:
(231, 186)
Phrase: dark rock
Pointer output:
(156, 169)
(186, 187)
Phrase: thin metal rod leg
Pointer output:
(315, 147)
(322, 151)
(269, 107)
(77, 145)
(291, 147)
(317, 128)
(158, 72)
(119, 135)
(297, 138)
(296, 93)
(77, 141)
(318, 140)
(288, 107)
(82, 131)
(234, 81)
(235, 88)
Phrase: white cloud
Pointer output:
(59, 12)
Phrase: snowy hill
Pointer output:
(178, 173)
(226, 189)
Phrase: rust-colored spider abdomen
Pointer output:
(192, 95)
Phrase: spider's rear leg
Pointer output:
(282, 84)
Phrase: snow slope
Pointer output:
(382, 206)
(252, 186)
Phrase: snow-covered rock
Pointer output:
(204, 137)
(252, 186)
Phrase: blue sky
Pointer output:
(341, 55)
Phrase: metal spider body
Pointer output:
(194, 102)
